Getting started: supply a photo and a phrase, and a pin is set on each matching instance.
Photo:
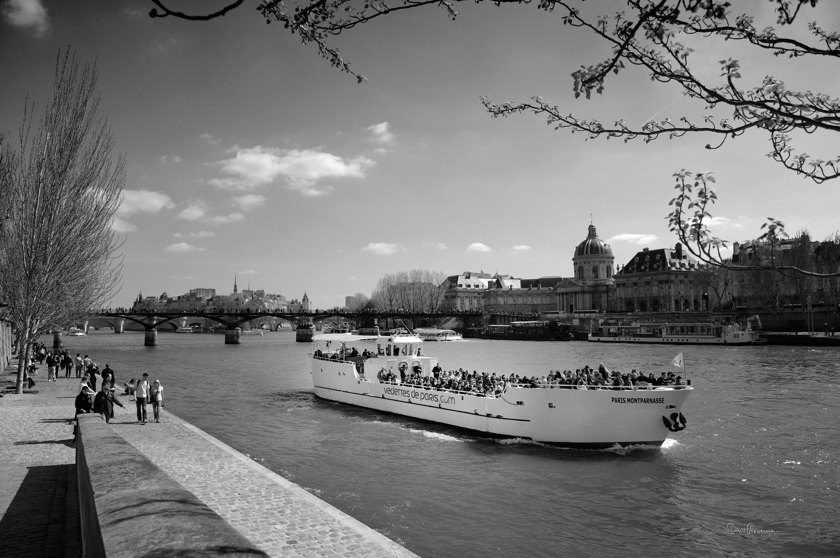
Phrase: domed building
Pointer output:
(589, 290)
(593, 260)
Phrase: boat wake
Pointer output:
(437, 435)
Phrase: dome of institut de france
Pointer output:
(593, 246)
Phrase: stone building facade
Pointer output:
(661, 280)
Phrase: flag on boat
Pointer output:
(678, 361)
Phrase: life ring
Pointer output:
(402, 366)
(675, 423)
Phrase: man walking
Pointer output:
(141, 394)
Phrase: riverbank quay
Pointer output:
(803, 340)
(275, 515)
(39, 509)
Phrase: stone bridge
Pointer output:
(235, 322)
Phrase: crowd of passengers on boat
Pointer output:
(495, 384)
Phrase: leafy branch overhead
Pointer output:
(646, 35)
(653, 35)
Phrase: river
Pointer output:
(756, 473)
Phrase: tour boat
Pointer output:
(350, 369)
(434, 334)
(185, 329)
(76, 332)
(677, 333)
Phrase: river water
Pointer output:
(756, 473)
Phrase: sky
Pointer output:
(250, 158)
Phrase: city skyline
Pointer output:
(250, 156)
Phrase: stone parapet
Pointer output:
(130, 507)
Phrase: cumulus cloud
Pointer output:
(248, 202)
(121, 226)
(197, 211)
(720, 221)
(184, 247)
(170, 159)
(143, 201)
(478, 247)
(192, 212)
(26, 14)
(199, 234)
(381, 133)
(520, 249)
(440, 246)
(223, 219)
(383, 248)
(302, 168)
(634, 238)
(210, 139)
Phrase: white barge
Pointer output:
(349, 369)
(677, 333)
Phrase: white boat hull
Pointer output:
(736, 338)
(593, 418)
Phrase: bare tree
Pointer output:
(417, 290)
(58, 253)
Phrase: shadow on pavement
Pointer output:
(40, 520)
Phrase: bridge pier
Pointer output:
(233, 336)
(56, 340)
(151, 338)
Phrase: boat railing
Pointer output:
(600, 387)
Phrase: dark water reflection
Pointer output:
(755, 474)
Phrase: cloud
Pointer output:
(184, 247)
(130, 13)
(302, 168)
(143, 201)
(170, 159)
(27, 14)
(249, 202)
(199, 234)
(222, 219)
(197, 211)
(381, 133)
(440, 246)
(478, 247)
(192, 212)
(249, 272)
(719, 221)
(122, 226)
(383, 248)
(210, 139)
(633, 238)
(520, 249)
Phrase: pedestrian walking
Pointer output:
(79, 365)
(104, 403)
(156, 395)
(141, 394)
(67, 364)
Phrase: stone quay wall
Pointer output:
(129, 506)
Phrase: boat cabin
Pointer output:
(371, 354)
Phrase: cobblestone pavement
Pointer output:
(278, 516)
(39, 513)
